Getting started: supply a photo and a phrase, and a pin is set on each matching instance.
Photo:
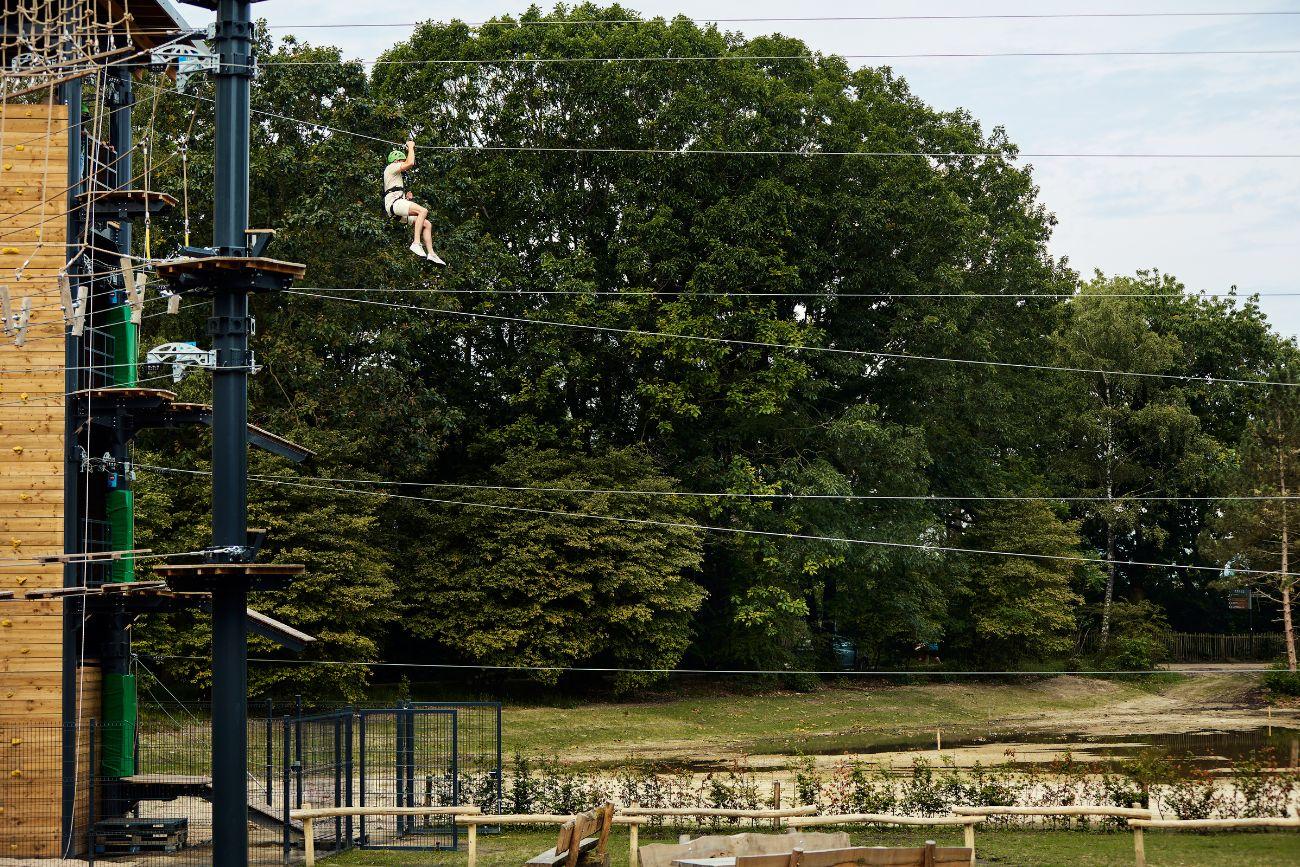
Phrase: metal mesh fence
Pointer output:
(33, 781)
(160, 813)
(407, 758)
(478, 751)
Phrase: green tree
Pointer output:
(510, 583)
(1259, 537)
(1019, 608)
(1130, 436)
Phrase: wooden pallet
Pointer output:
(137, 836)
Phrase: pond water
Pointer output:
(1203, 748)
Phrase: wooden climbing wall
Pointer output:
(34, 152)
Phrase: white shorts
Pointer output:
(402, 210)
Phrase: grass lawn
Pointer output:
(833, 718)
(1027, 848)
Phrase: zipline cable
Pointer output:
(682, 525)
(740, 152)
(469, 666)
(779, 58)
(762, 344)
(936, 498)
(813, 294)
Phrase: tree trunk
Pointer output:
(1110, 526)
(1110, 586)
(1288, 626)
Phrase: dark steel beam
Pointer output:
(230, 326)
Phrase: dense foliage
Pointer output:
(814, 288)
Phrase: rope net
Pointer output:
(46, 42)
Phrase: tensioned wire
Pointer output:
(55, 400)
(775, 58)
(721, 671)
(762, 344)
(936, 498)
(84, 558)
(486, 148)
(685, 294)
(814, 294)
(63, 325)
(595, 22)
(60, 193)
(682, 525)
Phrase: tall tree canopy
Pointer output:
(739, 279)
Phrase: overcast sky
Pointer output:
(1212, 223)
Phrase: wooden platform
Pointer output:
(126, 204)
(123, 394)
(208, 576)
(206, 273)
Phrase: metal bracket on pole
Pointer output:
(190, 60)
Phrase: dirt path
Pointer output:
(1197, 705)
(1086, 717)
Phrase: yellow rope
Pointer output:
(148, 173)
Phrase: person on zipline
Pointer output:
(398, 203)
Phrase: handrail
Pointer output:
(1062, 810)
(1190, 824)
(308, 816)
(307, 812)
(720, 812)
(883, 819)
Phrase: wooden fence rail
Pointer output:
(1139, 825)
(1138, 819)
(1062, 810)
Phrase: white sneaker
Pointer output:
(417, 250)
(435, 258)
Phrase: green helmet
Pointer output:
(396, 156)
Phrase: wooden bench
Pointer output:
(582, 839)
(928, 855)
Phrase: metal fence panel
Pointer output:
(407, 757)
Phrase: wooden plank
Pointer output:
(29, 510)
(31, 477)
(29, 523)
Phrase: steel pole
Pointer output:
(229, 327)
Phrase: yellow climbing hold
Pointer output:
(16, 772)
(18, 450)
(22, 579)
(24, 497)
(9, 167)
(26, 650)
(6, 623)
(13, 742)
(20, 147)
(22, 396)
(27, 113)
(20, 191)
(9, 251)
